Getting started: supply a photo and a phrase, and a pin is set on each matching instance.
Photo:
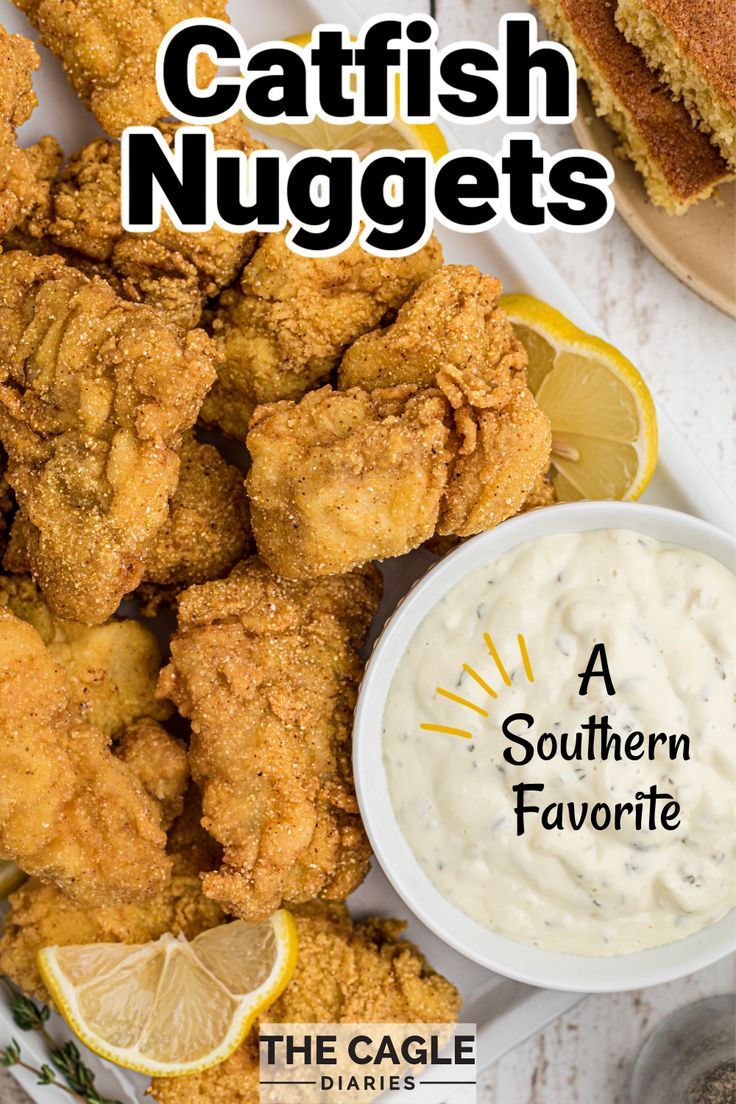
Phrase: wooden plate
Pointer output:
(698, 247)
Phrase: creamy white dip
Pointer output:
(667, 618)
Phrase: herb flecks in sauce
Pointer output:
(665, 615)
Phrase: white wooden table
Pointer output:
(687, 351)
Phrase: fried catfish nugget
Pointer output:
(347, 972)
(542, 494)
(6, 503)
(208, 528)
(342, 478)
(43, 915)
(501, 453)
(95, 394)
(112, 669)
(453, 335)
(165, 268)
(267, 672)
(160, 763)
(70, 812)
(450, 334)
(108, 51)
(284, 327)
(24, 173)
(330, 487)
(18, 60)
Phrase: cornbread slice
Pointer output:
(692, 43)
(678, 163)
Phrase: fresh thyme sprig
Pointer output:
(65, 1059)
(68, 1061)
(27, 1015)
(11, 1056)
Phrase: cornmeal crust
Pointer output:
(692, 43)
(678, 163)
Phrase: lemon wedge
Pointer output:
(604, 423)
(364, 138)
(10, 878)
(172, 1007)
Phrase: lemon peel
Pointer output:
(172, 1007)
(604, 421)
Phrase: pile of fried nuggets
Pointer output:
(384, 403)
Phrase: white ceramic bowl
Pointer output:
(551, 969)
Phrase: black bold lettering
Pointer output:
(522, 164)
(319, 193)
(330, 55)
(418, 79)
(545, 66)
(590, 193)
(157, 176)
(400, 223)
(521, 808)
(282, 90)
(598, 654)
(239, 177)
(508, 754)
(379, 60)
(175, 70)
(474, 95)
(463, 186)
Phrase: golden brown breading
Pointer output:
(70, 812)
(6, 494)
(166, 268)
(95, 394)
(208, 527)
(43, 916)
(6, 503)
(541, 494)
(284, 327)
(452, 334)
(346, 973)
(496, 466)
(23, 173)
(108, 51)
(192, 848)
(267, 672)
(361, 972)
(43, 161)
(342, 478)
(159, 761)
(112, 668)
(234, 1081)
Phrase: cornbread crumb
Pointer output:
(678, 163)
(692, 44)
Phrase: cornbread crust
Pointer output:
(679, 165)
(692, 43)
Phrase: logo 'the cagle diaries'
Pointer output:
(360, 1063)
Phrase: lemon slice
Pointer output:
(10, 878)
(362, 137)
(172, 1007)
(604, 424)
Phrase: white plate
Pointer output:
(506, 1012)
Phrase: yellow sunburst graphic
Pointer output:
(466, 703)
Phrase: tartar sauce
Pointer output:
(666, 616)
